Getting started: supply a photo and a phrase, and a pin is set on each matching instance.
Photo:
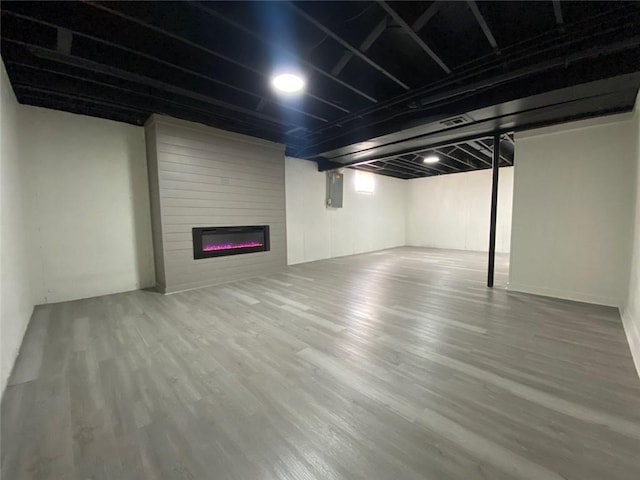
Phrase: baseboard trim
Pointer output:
(377, 250)
(632, 331)
(565, 295)
(15, 352)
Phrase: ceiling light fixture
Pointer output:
(431, 159)
(288, 83)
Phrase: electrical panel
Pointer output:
(335, 182)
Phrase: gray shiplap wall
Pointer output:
(200, 177)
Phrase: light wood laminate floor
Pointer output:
(392, 365)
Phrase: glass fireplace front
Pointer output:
(220, 241)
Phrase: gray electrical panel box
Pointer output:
(334, 189)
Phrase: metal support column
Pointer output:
(494, 209)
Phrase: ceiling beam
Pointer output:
(426, 169)
(423, 19)
(364, 46)
(77, 80)
(557, 10)
(414, 36)
(390, 164)
(454, 158)
(410, 166)
(90, 65)
(267, 41)
(483, 24)
(197, 46)
(293, 130)
(64, 40)
(393, 167)
(386, 171)
(489, 148)
(431, 165)
(474, 155)
(424, 165)
(315, 149)
(379, 29)
(326, 165)
(386, 166)
(73, 97)
(172, 65)
(112, 113)
(347, 45)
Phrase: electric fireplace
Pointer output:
(221, 241)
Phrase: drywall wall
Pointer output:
(572, 210)
(367, 221)
(631, 309)
(206, 177)
(89, 205)
(452, 211)
(16, 297)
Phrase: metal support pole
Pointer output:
(494, 209)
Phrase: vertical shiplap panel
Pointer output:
(209, 177)
(154, 200)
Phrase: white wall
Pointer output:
(367, 222)
(572, 210)
(452, 211)
(631, 309)
(16, 298)
(89, 203)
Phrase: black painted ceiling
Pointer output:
(386, 80)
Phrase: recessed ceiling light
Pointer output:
(431, 159)
(288, 83)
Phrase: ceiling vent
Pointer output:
(455, 121)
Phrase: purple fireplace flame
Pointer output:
(230, 246)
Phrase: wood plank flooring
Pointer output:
(392, 365)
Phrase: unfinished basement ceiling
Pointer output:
(465, 156)
(384, 79)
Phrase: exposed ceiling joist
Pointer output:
(557, 11)
(64, 39)
(192, 44)
(348, 46)
(414, 36)
(167, 64)
(453, 157)
(423, 19)
(143, 80)
(476, 155)
(489, 148)
(420, 158)
(392, 169)
(483, 24)
(544, 66)
(364, 46)
(75, 96)
(79, 81)
(225, 51)
(138, 103)
(400, 166)
(261, 38)
(80, 107)
(413, 168)
(431, 166)
(389, 172)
